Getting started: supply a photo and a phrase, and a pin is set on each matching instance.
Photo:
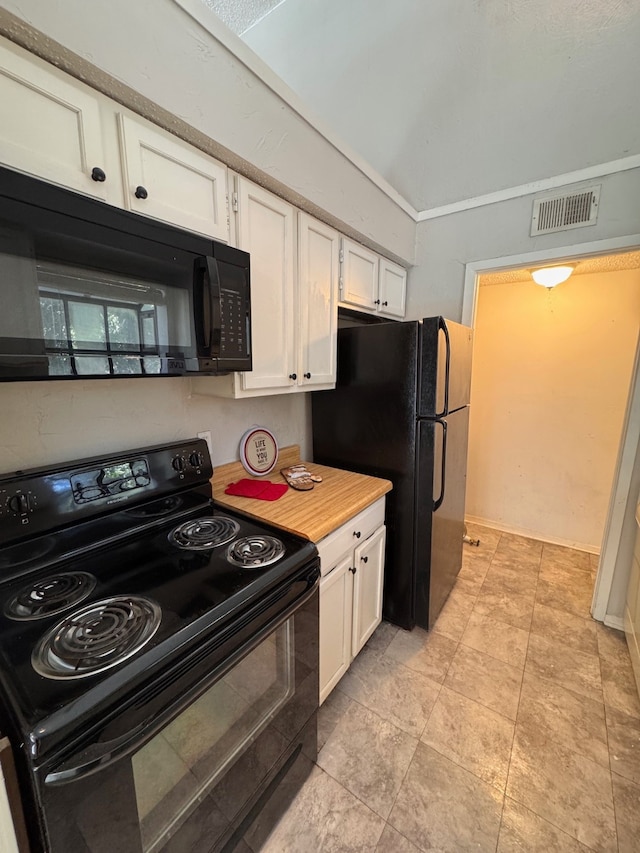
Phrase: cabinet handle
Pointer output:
(307, 376)
(377, 302)
(352, 569)
(364, 559)
(385, 303)
(357, 534)
(141, 192)
(98, 175)
(293, 376)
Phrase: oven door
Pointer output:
(198, 775)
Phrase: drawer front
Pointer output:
(367, 521)
(343, 540)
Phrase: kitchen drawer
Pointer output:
(334, 546)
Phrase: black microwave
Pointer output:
(91, 291)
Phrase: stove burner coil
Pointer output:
(254, 552)
(97, 637)
(203, 533)
(50, 595)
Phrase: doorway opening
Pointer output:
(554, 386)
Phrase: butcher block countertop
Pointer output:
(313, 514)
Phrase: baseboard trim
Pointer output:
(532, 534)
(614, 622)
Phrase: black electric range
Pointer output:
(125, 592)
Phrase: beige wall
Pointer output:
(42, 423)
(550, 384)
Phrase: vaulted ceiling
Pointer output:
(453, 99)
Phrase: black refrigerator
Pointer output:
(400, 410)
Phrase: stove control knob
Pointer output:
(18, 504)
(178, 463)
(195, 459)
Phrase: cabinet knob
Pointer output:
(385, 303)
(357, 534)
(293, 376)
(364, 559)
(352, 569)
(141, 192)
(377, 302)
(97, 174)
(307, 376)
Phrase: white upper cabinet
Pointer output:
(359, 279)
(371, 283)
(170, 180)
(317, 292)
(393, 289)
(294, 299)
(266, 227)
(56, 128)
(50, 125)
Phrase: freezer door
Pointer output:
(440, 495)
(445, 367)
(367, 423)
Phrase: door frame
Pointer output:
(630, 438)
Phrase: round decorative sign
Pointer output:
(259, 451)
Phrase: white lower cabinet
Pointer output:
(352, 566)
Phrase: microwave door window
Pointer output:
(95, 323)
(19, 319)
(74, 318)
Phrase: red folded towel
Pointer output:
(263, 490)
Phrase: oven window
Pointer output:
(182, 764)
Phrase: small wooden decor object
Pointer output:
(258, 451)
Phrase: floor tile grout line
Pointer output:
(546, 819)
(420, 738)
(457, 643)
(515, 725)
(418, 741)
(606, 727)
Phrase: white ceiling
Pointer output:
(453, 99)
(621, 262)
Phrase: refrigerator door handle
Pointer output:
(437, 503)
(443, 328)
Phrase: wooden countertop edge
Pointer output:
(312, 514)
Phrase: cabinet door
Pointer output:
(318, 270)
(336, 607)
(266, 230)
(367, 588)
(393, 289)
(169, 180)
(359, 281)
(50, 126)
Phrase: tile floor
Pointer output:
(514, 725)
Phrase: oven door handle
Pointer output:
(98, 756)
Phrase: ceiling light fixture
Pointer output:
(550, 276)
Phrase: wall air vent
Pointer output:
(563, 212)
